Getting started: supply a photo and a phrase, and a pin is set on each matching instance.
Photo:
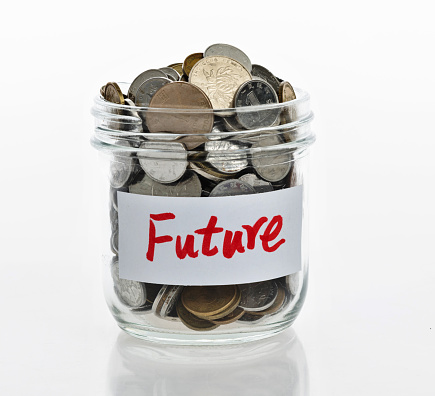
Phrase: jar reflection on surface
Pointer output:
(275, 366)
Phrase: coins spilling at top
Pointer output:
(169, 110)
(222, 77)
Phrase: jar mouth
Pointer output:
(120, 128)
(301, 97)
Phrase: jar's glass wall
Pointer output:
(228, 161)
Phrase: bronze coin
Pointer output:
(113, 93)
(206, 301)
(180, 95)
(193, 322)
(230, 318)
(103, 91)
(190, 61)
(286, 92)
(228, 311)
(279, 301)
(178, 67)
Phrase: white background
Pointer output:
(368, 325)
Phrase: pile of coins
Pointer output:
(194, 154)
(203, 308)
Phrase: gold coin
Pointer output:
(190, 61)
(280, 298)
(207, 301)
(103, 91)
(233, 306)
(230, 318)
(180, 95)
(286, 92)
(113, 93)
(219, 77)
(178, 67)
(193, 322)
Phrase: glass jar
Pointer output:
(206, 219)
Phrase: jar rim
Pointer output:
(301, 96)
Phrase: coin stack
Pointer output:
(196, 155)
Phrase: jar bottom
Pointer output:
(205, 338)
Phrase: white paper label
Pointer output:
(210, 241)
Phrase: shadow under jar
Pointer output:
(206, 221)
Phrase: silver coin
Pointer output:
(171, 73)
(114, 241)
(122, 169)
(231, 124)
(166, 163)
(147, 90)
(232, 187)
(226, 156)
(140, 79)
(230, 52)
(293, 282)
(259, 185)
(166, 300)
(251, 319)
(131, 293)
(113, 215)
(114, 196)
(203, 170)
(271, 163)
(258, 296)
(266, 75)
(188, 186)
(296, 178)
(218, 128)
(255, 93)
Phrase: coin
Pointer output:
(188, 186)
(114, 222)
(219, 77)
(166, 299)
(114, 240)
(293, 282)
(178, 67)
(258, 296)
(256, 93)
(122, 169)
(152, 291)
(131, 293)
(259, 185)
(230, 52)
(266, 75)
(180, 95)
(166, 162)
(103, 91)
(226, 156)
(193, 322)
(171, 73)
(113, 93)
(272, 162)
(231, 124)
(207, 301)
(147, 90)
(232, 187)
(230, 318)
(114, 196)
(190, 61)
(138, 81)
(275, 307)
(286, 92)
(296, 175)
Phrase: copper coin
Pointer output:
(113, 93)
(286, 92)
(180, 95)
(206, 301)
(232, 317)
(190, 61)
(193, 322)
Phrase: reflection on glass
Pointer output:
(275, 366)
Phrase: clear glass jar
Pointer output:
(206, 233)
